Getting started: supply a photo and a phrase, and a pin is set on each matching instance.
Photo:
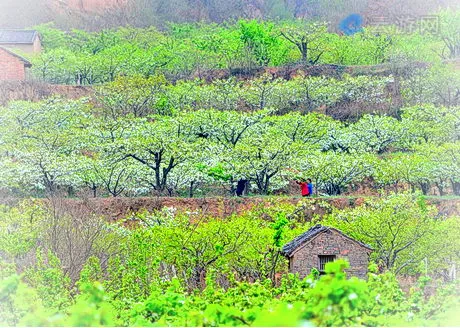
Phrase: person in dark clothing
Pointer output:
(310, 187)
(304, 188)
(240, 187)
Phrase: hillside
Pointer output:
(198, 109)
(198, 167)
(36, 90)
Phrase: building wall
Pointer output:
(11, 67)
(37, 47)
(26, 48)
(330, 242)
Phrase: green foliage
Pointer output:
(218, 173)
(437, 85)
(261, 42)
(308, 38)
(91, 272)
(169, 117)
(184, 49)
(333, 172)
(91, 308)
(278, 227)
(152, 129)
(335, 300)
(50, 282)
(386, 295)
(450, 25)
(396, 227)
(134, 95)
(190, 270)
(20, 229)
(123, 147)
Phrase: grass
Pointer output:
(445, 197)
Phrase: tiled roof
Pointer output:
(18, 36)
(290, 247)
(25, 61)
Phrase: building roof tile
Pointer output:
(290, 247)
(18, 36)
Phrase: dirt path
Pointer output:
(120, 207)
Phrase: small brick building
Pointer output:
(319, 245)
(12, 66)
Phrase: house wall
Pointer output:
(305, 258)
(37, 46)
(11, 67)
(26, 48)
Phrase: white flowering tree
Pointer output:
(411, 168)
(374, 134)
(333, 173)
(39, 137)
(261, 156)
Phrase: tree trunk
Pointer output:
(304, 51)
(246, 188)
(94, 189)
(159, 187)
(190, 189)
(425, 186)
(197, 279)
(441, 189)
(266, 184)
(456, 187)
(333, 189)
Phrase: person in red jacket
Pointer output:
(304, 188)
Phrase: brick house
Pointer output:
(319, 245)
(27, 41)
(12, 66)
